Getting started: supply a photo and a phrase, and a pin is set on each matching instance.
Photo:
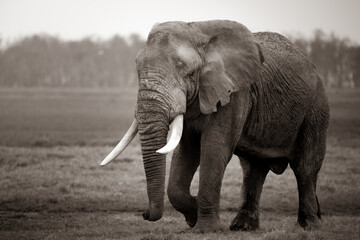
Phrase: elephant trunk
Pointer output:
(153, 126)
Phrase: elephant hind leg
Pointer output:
(309, 208)
(306, 163)
(254, 175)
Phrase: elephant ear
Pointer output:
(231, 63)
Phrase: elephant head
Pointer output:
(181, 64)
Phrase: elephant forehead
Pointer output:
(170, 33)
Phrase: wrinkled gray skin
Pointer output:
(253, 95)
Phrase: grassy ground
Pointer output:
(46, 118)
(51, 144)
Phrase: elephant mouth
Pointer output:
(175, 133)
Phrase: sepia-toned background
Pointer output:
(67, 94)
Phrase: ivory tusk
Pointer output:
(130, 134)
(176, 129)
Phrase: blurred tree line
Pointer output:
(47, 61)
(336, 59)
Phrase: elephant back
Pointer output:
(285, 59)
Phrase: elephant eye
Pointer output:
(179, 64)
(184, 69)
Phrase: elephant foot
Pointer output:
(309, 222)
(152, 215)
(208, 226)
(191, 219)
(245, 221)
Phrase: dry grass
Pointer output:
(58, 191)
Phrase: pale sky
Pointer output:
(75, 19)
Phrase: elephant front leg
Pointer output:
(213, 161)
(253, 179)
(184, 164)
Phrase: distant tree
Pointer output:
(355, 64)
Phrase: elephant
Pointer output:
(216, 89)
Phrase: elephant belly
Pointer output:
(264, 152)
(275, 158)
